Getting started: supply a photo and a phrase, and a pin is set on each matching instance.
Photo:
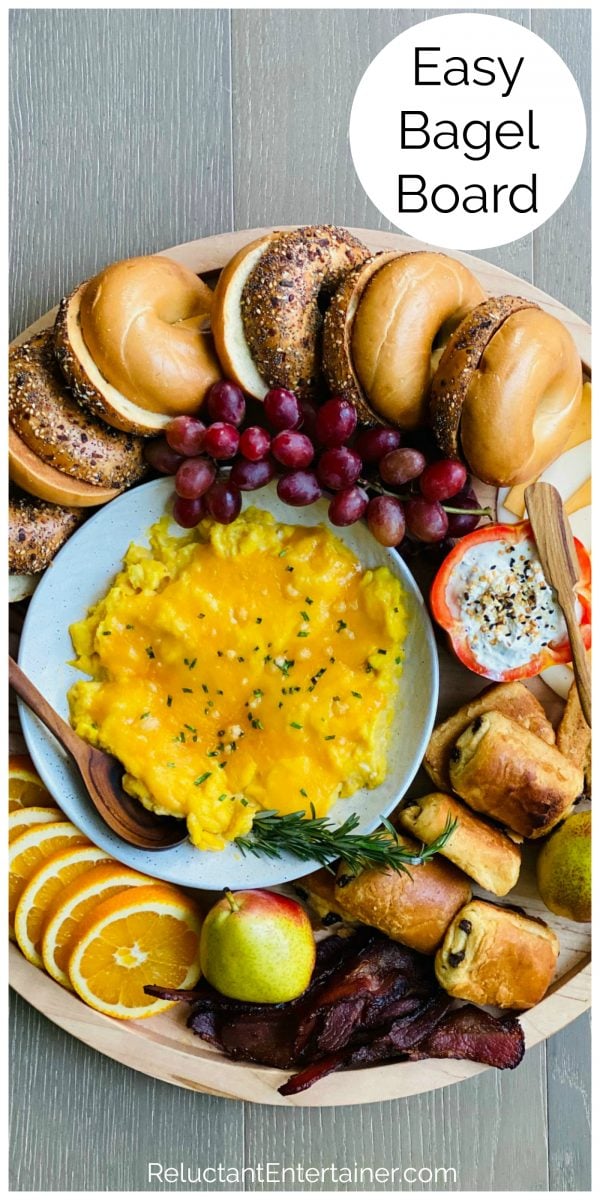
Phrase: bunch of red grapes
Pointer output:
(311, 450)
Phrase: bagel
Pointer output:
(226, 320)
(405, 315)
(133, 343)
(36, 532)
(338, 366)
(39, 479)
(283, 299)
(56, 428)
(507, 391)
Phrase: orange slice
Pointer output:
(66, 912)
(24, 784)
(29, 850)
(45, 885)
(145, 935)
(24, 818)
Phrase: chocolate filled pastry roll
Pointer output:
(512, 699)
(414, 908)
(493, 955)
(480, 850)
(508, 773)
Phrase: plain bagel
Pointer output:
(134, 346)
(507, 391)
(57, 429)
(36, 532)
(404, 317)
(283, 299)
(226, 319)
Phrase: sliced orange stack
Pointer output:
(24, 784)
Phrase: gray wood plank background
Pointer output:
(131, 131)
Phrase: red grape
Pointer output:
(373, 444)
(309, 419)
(442, 480)
(248, 476)
(282, 409)
(223, 501)
(400, 466)
(298, 488)
(187, 513)
(292, 449)
(336, 422)
(194, 477)
(348, 506)
(461, 523)
(225, 402)
(159, 454)
(338, 468)
(185, 435)
(221, 441)
(255, 443)
(385, 518)
(425, 520)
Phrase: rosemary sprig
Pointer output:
(308, 838)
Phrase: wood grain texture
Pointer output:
(82, 1122)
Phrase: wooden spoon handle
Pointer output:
(34, 700)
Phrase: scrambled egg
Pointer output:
(241, 667)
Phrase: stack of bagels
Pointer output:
(410, 339)
(129, 350)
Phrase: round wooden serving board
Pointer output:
(162, 1046)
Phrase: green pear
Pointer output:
(258, 946)
(564, 869)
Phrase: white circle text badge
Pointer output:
(467, 131)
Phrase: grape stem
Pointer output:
(376, 487)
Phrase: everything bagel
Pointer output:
(507, 391)
(36, 532)
(404, 317)
(133, 343)
(283, 299)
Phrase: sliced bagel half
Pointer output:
(226, 319)
(87, 382)
(338, 366)
(36, 532)
(57, 429)
(40, 479)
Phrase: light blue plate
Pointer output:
(82, 572)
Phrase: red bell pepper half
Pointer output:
(441, 591)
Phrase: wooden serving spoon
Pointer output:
(559, 561)
(102, 774)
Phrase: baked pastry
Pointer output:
(574, 737)
(507, 391)
(481, 851)
(493, 955)
(512, 699)
(36, 532)
(403, 318)
(134, 345)
(508, 773)
(414, 908)
(282, 301)
(57, 429)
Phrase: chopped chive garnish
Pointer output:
(282, 554)
(305, 616)
(295, 725)
(144, 715)
(150, 652)
(223, 796)
(341, 625)
(289, 568)
(201, 616)
(188, 690)
(243, 801)
(106, 632)
(129, 626)
(303, 633)
(330, 737)
(202, 778)
(259, 620)
(358, 695)
(169, 701)
(309, 600)
(204, 687)
(397, 660)
(303, 793)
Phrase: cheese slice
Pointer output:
(580, 499)
(582, 432)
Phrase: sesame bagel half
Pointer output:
(56, 428)
(507, 391)
(36, 532)
(284, 298)
(338, 365)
